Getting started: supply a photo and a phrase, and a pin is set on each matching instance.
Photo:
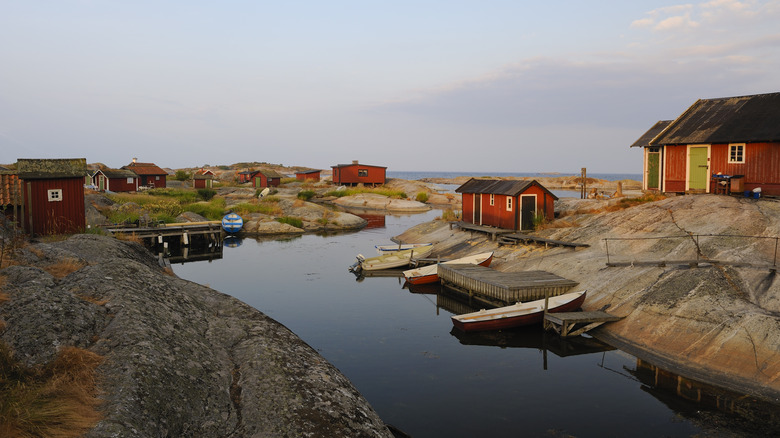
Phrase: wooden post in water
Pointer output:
(584, 192)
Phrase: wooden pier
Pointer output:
(568, 324)
(503, 287)
(159, 239)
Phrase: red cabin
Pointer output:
(203, 179)
(115, 180)
(355, 173)
(726, 145)
(245, 176)
(149, 173)
(52, 195)
(266, 178)
(512, 205)
(308, 175)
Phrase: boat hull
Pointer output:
(384, 249)
(433, 277)
(516, 320)
(232, 223)
(394, 259)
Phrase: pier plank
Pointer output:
(506, 287)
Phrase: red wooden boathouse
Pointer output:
(308, 175)
(356, 173)
(732, 143)
(115, 180)
(203, 179)
(150, 174)
(266, 178)
(52, 195)
(511, 205)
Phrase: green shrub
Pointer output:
(306, 194)
(182, 175)
(422, 197)
(294, 221)
(212, 210)
(206, 194)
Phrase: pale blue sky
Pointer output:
(412, 85)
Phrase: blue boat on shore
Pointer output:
(232, 223)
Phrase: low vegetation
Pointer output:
(449, 215)
(57, 400)
(306, 194)
(65, 266)
(422, 197)
(396, 194)
(294, 221)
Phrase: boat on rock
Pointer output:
(382, 249)
(519, 314)
(430, 273)
(232, 223)
(390, 260)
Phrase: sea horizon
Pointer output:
(419, 174)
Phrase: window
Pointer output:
(737, 153)
(129, 180)
(509, 203)
(492, 199)
(156, 178)
(55, 195)
(362, 172)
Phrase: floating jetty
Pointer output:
(503, 287)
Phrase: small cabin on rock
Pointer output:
(508, 204)
(203, 179)
(115, 180)
(52, 195)
(723, 145)
(356, 173)
(308, 175)
(150, 174)
(245, 176)
(266, 178)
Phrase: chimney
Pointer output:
(135, 159)
(354, 161)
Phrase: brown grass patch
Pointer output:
(129, 237)
(64, 267)
(58, 400)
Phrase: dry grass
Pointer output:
(448, 215)
(129, 237)
(92, 300)
(58, 400)
(64, 267)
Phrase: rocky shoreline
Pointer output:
(181, 359)
(718, 323)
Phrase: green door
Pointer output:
(258, 182)
(653, 170)
(698, 168)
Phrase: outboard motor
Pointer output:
(355, 267)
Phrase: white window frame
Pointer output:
(509, 203)
(734, 147)
(492, 199)
(55, 195)
(130, 180)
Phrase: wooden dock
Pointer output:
(159, 238)
(568, 324)
(515, 238)
(503, 287)
(494, 232)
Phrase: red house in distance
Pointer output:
(356, 173)
(724, 145)
(115, 180)
(266, 178)
(308, 175)
(149, 173)
(511, 205)
(203, 179)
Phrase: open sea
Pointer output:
(415, 175)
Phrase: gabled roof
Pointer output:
(740, 119)
(145, 169)
(499, 187)
(204, 172)
(30, 168)
(117, 173)
(357, 164)
(651, 133)
(203, 176)
(268, 173)
(308, 171)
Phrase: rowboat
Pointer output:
(382, 249)
(429, 274)
(232, 223)
(519, 314)
(390, 260)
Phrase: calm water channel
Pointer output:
(399, 349)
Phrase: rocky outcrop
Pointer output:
(372, 201)
(718, 322)
(181, 359)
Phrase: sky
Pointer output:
(452, 85)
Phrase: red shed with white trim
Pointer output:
(53, 195)
(356, 173)
(512, 205)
